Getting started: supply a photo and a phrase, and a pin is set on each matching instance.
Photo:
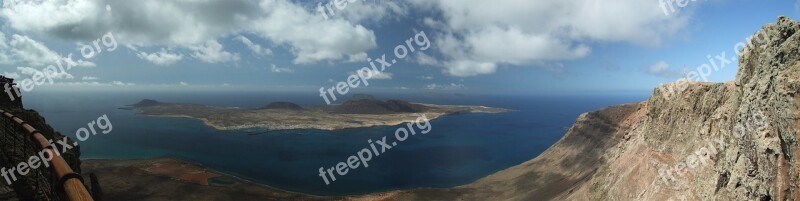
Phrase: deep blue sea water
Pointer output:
(459, 149)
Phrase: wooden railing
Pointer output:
(71, 181)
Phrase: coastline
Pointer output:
(480, 189)
(228, 119)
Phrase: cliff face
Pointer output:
(726, 141)
(693, 141)
(689, 141)
(16, 146)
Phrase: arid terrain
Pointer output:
(351, 114)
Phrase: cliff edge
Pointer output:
(689, 141)
(16, 146)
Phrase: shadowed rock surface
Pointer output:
(16, 146)
(689, 141)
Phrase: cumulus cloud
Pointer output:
(212, 52)
(276, 69)
(23, 50)
(255, 48)
(311, 37)
(425, 59)
(30, 51)
(161, 58)
(477, 36)
(120, 83)
(89, 78)
(192, 23)
(451, 86)
(29, 72)
(373, 12)
(662, 69)
(97, 84)
(377, 75)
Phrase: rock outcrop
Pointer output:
(147, 103)
(689, 141)
(16, 146)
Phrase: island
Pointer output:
(357, 112)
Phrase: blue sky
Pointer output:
(505, 47)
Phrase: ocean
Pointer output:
(459, 149)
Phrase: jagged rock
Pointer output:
(710, 141)
(706, 141)
(9, 98)
(16, 146)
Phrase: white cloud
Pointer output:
(381, 76)
(478, 36)
(89, 78)
(120, 83)
(425, 59)
(31, 52)
(29, 72)
(212, 52)
(191, 23)
(276, 69)
(425, 77)
(257, 49)
(183, 84)
(662, 69)
(465, 68)
(161, 58)
(26, 51)
(97, 84)
(377, 75)
(360, 57)
(84, 63)
(311, 37)
(451, 86)
(372, 12)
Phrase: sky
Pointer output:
(470, 47)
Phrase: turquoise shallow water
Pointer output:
(458, 150)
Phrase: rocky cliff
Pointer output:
(16, 146)
(689, 141)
